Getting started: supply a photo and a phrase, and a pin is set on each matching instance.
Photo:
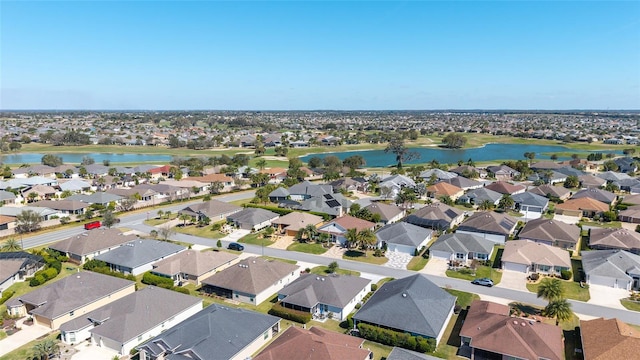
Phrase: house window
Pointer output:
(72, 313)
(265, 335)
(544, 268)
(481, 256)
(251, 299)
(72, 337)
(459, 256)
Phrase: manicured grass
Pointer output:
(451, 338)
(532, 310)
(3, 334)
(279, 259)
(256, 239)
(572, 290)
(607, 225)
(417, 263)
(481, 272)
(25, 351)
(630, 305)
(324, 270)
(464, 298)
(204, 231)
(158, 221)
(380, 352)
(309, 248)
(363, 256)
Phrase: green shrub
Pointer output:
(37, 280)
(50, 273)
(374, 287)
(396, 338)
(6, 296)
(566, 274)
(181, 290)
(290, 314)
(159, 281)
(216, 227)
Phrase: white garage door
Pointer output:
(515, 267)
(602, 280)
(440, 254)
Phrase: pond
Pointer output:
(489, 152)
(34, 158)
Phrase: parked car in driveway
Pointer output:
(235, 246)
(483, 281)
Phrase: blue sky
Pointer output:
(306, 55)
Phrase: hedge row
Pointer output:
(396, 338)
(282, 211)
(6, 296)
(290, 314)
(160, 281)
(43, 276)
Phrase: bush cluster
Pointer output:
(102, 268)
(162, 282)
(43, 276)
(396, 338)
(6, 296)
(566, 274)
(290, 314)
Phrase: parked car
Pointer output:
(235, 246)
(483, 281)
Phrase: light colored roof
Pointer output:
(440, 174)
(528, 252)
(67, 205)
(96, 198)
(193, 262)
(608, 339)
(314, 344)
(403, 233)
(74, 185)
(462, 243)
(612, 176)
(505, 188)
(550, 230)
(135, 314)
(92, 241)
(386, 211)
(529, 198)
(212, 208)
(349, 222)
(489, 222)
(72, 292)
(297, 220)
(251, 275)
(618, 238)
(585, 203)
(140, 252)
(596, 194)
(398, 353)
(482, 194)
(464, 183)
(413, 304)
(489, 324)
(445, 189)
(546, 189)
(310, 290)
(591, 181)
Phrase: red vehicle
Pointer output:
(92, 225)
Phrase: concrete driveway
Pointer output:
(436, 266)
(607, 296)
(88, 351)
(513, 280)
(24, 336)
(397, 260)
(236, 235)
(567, 219)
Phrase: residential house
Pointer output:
(137, 257)
(332, 297)
(227, 181)
(551, 191)
(89, 244)
(604, 196)
(131, 320)
(331, 204)
(292, 223)
(581, 207)
(527, 256)
(253, 280)
(443, 189)
(314, 344)
(338, 228)
(506, 188)
(75, 186)
(396, 183)
(493, 226)
(404, 238)
(9, 198)
(614, 239)
(436, 216)
(629, 185)
(612, 268)
(631, 214)
(491, 333)
(548, 177)
(389, 213)
(545, 165)
(252, 218)
(7, 222)
(279, 194)
(136, 193)
(591, 181)
(215, 210)
(398, 353)
(276, 175)
(551, 232)
(626, 164)
(100, 198)
(531, 205)
(502, 172)
(164, 192)
(215, 332)
(611, 176)
(40, 192)
(193, 266)
(468, 170)
(350, 184)
(464, 183)
(479, 196)
(607, 339)
(64, 207)
(462, 248)
(306, 190)
(73, 296)
(187, 187)
(43, 212)
(412, 304)
(437, 175)
(16, 266)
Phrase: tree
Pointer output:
(51, 160)
(332, 267)
(354, 162)
(454, 140)
(367, 238)
(553, 157)
(259, 179)
(27, 221)
(87, 160)
(165, 233)
(486, 205)
(32, 196)
(530, 156)
(559, 309)
(550, 289)
(15, 146)
(128, 203)
(216, 187)
(445, 199)
(160, 213)
(386, 192)
(219, 244)
(46, 349)
(572, 181)
(629, 151)
(11, 245)
(261, 164)
(307, 233)
(314, 162)
(352, 237)
(610, 165)
(108, 219)
(397, 147)
(184, 218)
(506, 202)
(262, 194)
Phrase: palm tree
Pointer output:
(506, 202)
(559, 309)
(11, 245)
(46, 349)
(184, 218)
(310, 231)
(486, 205)
(366, 239)
(550, 290)
(352, 237)
(261, 164)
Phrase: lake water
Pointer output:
(34, 158)
(489, 152)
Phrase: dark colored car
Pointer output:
(483, 281)
(235, 246)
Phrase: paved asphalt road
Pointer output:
(135, 221)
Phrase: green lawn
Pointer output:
(481, 272)
(309, 248)
(417, 263)
(363, 256)
(380, 352)
(323, 270)
(25, 351)
(256, 239)
(613, 224)
(204, 231)
(464, 298)
(279, 259)
(450, 342)
(630, 305)
(572, 290)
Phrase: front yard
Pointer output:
(364, 256)
(258, 238)
(572, 289)
(630, 305)
(481, 272)
(309, 248)
(417, 263)
(324, 270)
(204, 231)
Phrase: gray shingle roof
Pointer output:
(614, 238)
(134, 314)
(215, 333)
(463, 243)
(596, 194)
(482, 194)
(413, 304)
(140, 252)
(92, 241)
(211, 209)
(437, 216)
(310, 189)
(404, 354)
(310, 289)
(489, 223)
(386, 211)
(609, 263)
(96, 198)
(530, 199)
(403, 233)
(279, 192)
(252, 216)
(550, 230)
